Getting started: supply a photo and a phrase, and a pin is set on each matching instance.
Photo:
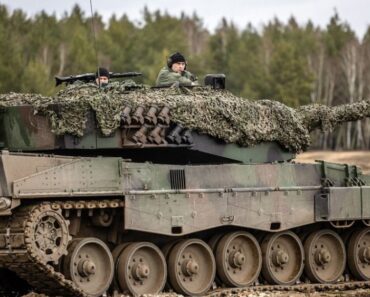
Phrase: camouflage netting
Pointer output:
(217, 113)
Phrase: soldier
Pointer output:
(102, 77)
(175, 72)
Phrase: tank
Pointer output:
(136, 190)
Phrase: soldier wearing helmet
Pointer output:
(175, 72)
(102, 77)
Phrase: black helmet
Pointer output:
(175, 58)
(102, 72)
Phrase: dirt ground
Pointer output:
(354, 293)
(359, 158)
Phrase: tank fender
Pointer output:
(80, 178)
(343, 203)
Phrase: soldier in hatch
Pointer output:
(102, 77)
(175, 72)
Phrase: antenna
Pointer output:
(94, 37)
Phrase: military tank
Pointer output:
(135, 190)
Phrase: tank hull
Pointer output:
(114, 211)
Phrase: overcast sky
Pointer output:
(355, 12)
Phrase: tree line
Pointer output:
(290, 62)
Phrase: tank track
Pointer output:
(19, 255)
(302, 288)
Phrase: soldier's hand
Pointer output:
(176, 84)
(193, 77)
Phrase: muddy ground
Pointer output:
(352, 293)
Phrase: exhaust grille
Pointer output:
(177, 179)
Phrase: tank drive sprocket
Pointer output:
(46, 234)
(33, 240)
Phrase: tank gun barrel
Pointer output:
(88, 77)
(326, 118)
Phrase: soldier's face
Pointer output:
(178, 67)
(103, 80)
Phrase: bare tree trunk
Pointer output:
(361, 136)
(349, 65)
(325, 141)
(320, 73)
(62, 58)
(365, 130)
(329, 84)
(316, 65)
(45, 52)
(337, 139)
(195, 34)
(267, 51)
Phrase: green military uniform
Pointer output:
(167, 77)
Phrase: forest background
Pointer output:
(296, 64)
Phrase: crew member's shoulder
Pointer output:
(164, 70)
(188, 73)
(168, 73)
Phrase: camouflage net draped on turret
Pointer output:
(216, 113)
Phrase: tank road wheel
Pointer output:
(47, 234)
(117, 251)
(89, 264)
(213, 242)
(325, 256)
(166, 249)
(282, 258)
(359, 254)
(191, 267)
(141, 269)
(238, 259)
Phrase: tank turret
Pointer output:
(135, 190)
(139, 140)
(164, 125)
